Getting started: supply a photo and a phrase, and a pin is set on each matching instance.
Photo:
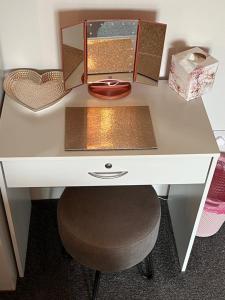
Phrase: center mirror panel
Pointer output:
(111, 48)
(73, 55)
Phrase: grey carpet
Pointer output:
(50, 276)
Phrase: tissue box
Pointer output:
(192, 73)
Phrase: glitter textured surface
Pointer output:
(33, 90)
(105, 128)
(110, 55)
(150, 49)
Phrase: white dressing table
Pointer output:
(32, 155)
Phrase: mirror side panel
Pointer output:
(73, 55)
(149, 51)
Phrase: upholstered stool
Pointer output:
(109, 228)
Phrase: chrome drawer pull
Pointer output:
(108, 175)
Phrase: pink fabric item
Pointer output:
(213, 215)
(214, 206)
(215, 202)
(210, 224)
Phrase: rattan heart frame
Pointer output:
(34, 90)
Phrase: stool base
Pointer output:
(145, 268)
(96, 284)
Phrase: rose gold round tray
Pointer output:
(33, 90)
(109, 89)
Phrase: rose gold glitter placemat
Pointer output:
(108, 128)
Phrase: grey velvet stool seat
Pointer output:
(109, 228)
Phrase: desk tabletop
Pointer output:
(181, 127)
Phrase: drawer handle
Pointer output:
(108, 175)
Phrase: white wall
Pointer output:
(1, 78)
(29, 35)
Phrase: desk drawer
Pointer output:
(128, 170)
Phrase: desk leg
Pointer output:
(18, 209)
(8, 270)
(186, 203)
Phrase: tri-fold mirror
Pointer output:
(124, 50)
(111, 48)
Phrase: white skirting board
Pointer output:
(55, 193)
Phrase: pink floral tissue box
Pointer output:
(192, 73)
